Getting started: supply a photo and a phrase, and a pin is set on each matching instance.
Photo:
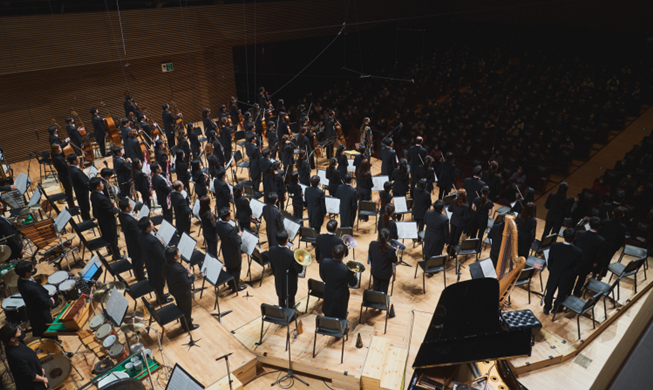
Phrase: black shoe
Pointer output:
(192, 327)
(546, 312)
(240, 288)
(166, 300)
(69, 355)
(166, 295)
(554, 311)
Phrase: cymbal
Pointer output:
(132, 327)
(134, 317)
(29, 210)
(11, 279)
(102, 293)
(5, 253)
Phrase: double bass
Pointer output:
(179, 122)
(341, 137)
(69, 148)
(112, 128)
(89, 155)
(148, 153)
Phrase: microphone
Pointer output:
(224, 356)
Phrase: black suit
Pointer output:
(590, 243)
(348, 205)
(335, 181)
(7, 229)
(142, 185)
(133, 149)
(282, 259)
(37, 304)
(563, 265)
(231, 242)
(100, 133)
(63, 174)
(324, 244)
(208, 126)
(222, 194)
(243, 213)
(558, 210)
(445, 180)
(273, 223)
(416, 156)
(169, 126)
(182, 212)
(53, 139)
(265, 164)
(437, 233)
(155, 262)
(614, 233)
(496, 235)
(330, 132)
(388, 158)
(24, 365)
(75, 138)
(104, 212)
(382, 269)
(80, 184)
(123, 172)
(162, 189)
(180, 285)
(473, 187)
(129, 107)
(129, 227)
(254, 164)
(421, 204)
(316, 207)
(337, 278)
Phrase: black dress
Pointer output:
(382, 269)
(525, 236)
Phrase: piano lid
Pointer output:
(467, 327)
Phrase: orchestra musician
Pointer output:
(285, 269)
(222, 192)
(225, 138)
(279, 183)
(231, 240)
(437, 230)
(80, 183)
(303, 168)
(125, 126)
(179, 204)
(272, 138)
(459, 210)
(123, 168)
(193, 138)
(104, 212)
(348, 202)
(54, 137)
(155, 260)
(130, 106)
(9, 235)
(147, 129)
(337, 278)
(283, 127)
(255, 157)
(297, 196)
(99, 130)
(315, 204)
(233, 110)
(324, 243)
(218, 150)
(273, 219)
(386, 221)
(590, 243)
(105, 175)
(181, 168)
(73, 134)
(330, 132)
(421, 202)
(183, 144)
(207, 122)
(209, 231)
(37, 299)
(243, 209)
(180, 284)
(334, 177)
(133, 147)
(162, 190)
(24, 363)
(161, 156)
(416, 155)
(63, 173)
(141, 183)
(342, 160)
(129, 227)
(169, 123)
(199, 179)
(366, 137)
(388, 158)
(266, 164)
(262, 99)
(382, 258)
(447, 169)
(563, 262)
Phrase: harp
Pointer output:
(509, 265)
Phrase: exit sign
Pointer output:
(167, 67)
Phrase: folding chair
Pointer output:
(262, 260)
(623, 271)
(525, 279)
(280, 316)
(334, 327)
(138, 289)
(579, 307)
(116, 268)
(431, 266)
(367, 208)
(540, 246)
(163, 316)
(636, 252)
(598, 287)
(315, 289)
(307, 235)
(375, 300)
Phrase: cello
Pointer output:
(341, 137)
(179, 122)
(112, 128)
(89, 155)
(145, 149)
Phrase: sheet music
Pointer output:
(94, 260)
(186, 246)
(406, 230)
(561, 232)
(291, 227)
(145, 212)
(350, 165)
(181, 380)
(546, 256)
(257, 207)
(400, 204)
(211, 269)
(435, 177)
(21, 182)
(379, 181)
(449, 214)
(304, 187)
(332, 205)
(117, 306)
(196, 209)
(166, 231)
(212, 187)
(587, 226)
(184, 194)
(249, 242)
(488, 268)
(229, 163)
(92, 172)
(133, 203)
(323, 177)
(62, 220)
(36, 198)
(512, 204)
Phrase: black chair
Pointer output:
(540, 246)
(238, 160)
(240, 136)
(623, 271)
(249, 192)
(262, 260)
(138, 289)
(93, 245)
(431, 266)
(116, 268)
(163, 316)
(334, 327)
(579, 307)
(636, 252)
(448, 198)
(596, 286)
(468, 247)
(525, 279)
(280, 316)
(532, 261)
(315, 289)
(375, 300)
(367, 208)
(307, 235)
(45, 166)
(200, 135)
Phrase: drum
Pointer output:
(103, 332)
(97, 321)
(56, 365)
(15, 310)
(118, 352)
(52, 290)
(110, 341)
(58, 277)
(113, 377)
(68, 290)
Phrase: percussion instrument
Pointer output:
(102, 293)
(58, 277)
(118, 352)
(137, 347)
(132, 327)
(40, 233)
(15, 309)
(68, 290)
(11, 279)
(110, 341)
(97, 321)
(56, 365)
(111, 378)
(5, 253)
(102, 367)
(103, 332)
(53, 292)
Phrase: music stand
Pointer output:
(406, 230)
(211, 270)
(181, 379)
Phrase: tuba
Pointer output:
(303, 258)
(509, 265)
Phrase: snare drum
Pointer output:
(68, 290)
(118, 353)
(103, 332)
(56, 365)
(97, 321)
(52, 291)
(58, 277)
(15, 310)
(110, 341)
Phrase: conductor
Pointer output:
(284, 266)
(337, 278)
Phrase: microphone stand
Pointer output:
(226, 359)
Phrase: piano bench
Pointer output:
(523, 319)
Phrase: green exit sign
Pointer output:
(167, 67)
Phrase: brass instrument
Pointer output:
(396, 245)
(355, 266)
(509, 264)
(349, 241)
(303, 257)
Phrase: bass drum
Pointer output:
(56, 365)
(124, 384)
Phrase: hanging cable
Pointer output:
(255, 85)
(366, 76)
(113, 33)
(309, 64)
(246, 64)
(121, 33)
(188, 56)
(360, 49)
(56, 29)
(344, 40)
